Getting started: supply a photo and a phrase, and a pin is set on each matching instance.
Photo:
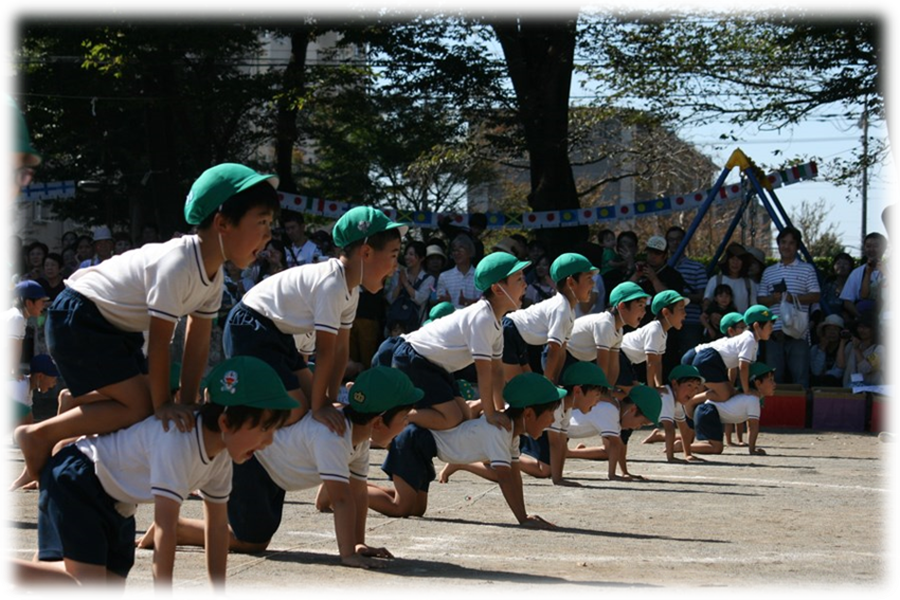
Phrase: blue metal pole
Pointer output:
(700, 214)
(728, 234)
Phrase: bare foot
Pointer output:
(580, 446)
(33, 450)
(24, 481)
(146, 541)
(446, 472)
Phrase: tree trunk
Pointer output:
(294, 87)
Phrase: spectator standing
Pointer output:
(833, 286)
(457, 285)
(102, 247)
(34, 253)
(785, 280)
(695, 280)
(52, 280)
(542, 285)
(412, 283)
(299, 249)
(732, 271)
(863, 289)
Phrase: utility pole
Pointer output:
(865, 173)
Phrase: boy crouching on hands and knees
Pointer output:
(90, 489)
(532, 398)
(307, 453)
(710, 416)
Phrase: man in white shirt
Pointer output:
(865, 283)
(299, 250)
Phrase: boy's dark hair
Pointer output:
(614, 308)
(874, 235)
(798, 237)
(626, 402)
(377, 241)
(604, 233)
(292, 216)
(237, 416)
(561, 284)
(627, 234)
(262, 194)
(539, 409)
(676, 228)
(389, 415)
(723, 288)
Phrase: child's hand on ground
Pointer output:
(180, 414)
(365, 550)
(499, 420)
(331, 417)
(536, 522)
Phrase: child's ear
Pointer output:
(223, 423)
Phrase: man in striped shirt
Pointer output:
(782, 352)
(695, 280)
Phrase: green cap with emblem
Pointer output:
(23, 139)
(730, 320)
(528, 389)
(360, 222)
(666, 299)
(625, 292)
(216, 185)
(495, 267)
(569, 264)
(758, 314)
(585, 373)
(686, 372)
(758, 369)
(247, 381)
(441, 309)
(380, 389)
(647, 399)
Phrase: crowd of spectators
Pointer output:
(839, 346)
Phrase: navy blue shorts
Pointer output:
(90, 352)
(538, 449)
(255, 504)
(629, 373)
(710, 364)
(411, 457)
(688, 357)
(384, 356)
(707, 424)
(439, 385)
(78, 520)
(248, 333)
(515, 349)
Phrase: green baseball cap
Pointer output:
(758, 314)
(10, 410)
(730, 320)
(569, 264)
(686, 372)
(466, 390)
(666, 299)
(380, 389)
(758, 369)
(495, 267)
(360, 222)
(647, 399)
(216, 185)
(14, 131)
(247, 381)
(528, 389)
(441, 309)
(625, 292)
(585, 373)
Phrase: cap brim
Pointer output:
(254, 179)
(395, 225)
(518, 267)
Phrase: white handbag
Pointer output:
(794, 321)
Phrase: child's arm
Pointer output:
(195, 358)
(510, 481)
(654, 370)
(687, 438)
(327, 347)
(556, 355)
(216, 541)
(165, 522)
(345, 523)
(490, 387)
(744, 376)
(559, 446)
(613, 444)
(669, 429)
(753, 426)
(159, 364)
(360, 491)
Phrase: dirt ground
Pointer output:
(810, 515)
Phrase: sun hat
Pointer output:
(585, 373)
(834, 320)
(434, 249)
(647, 399)
(757, 255)
(686, 372)
(495, 267)
(101, 233)
(247, 381)
(568, 264)
(528, 389)
(380, 389)
(507, 244)
(216, 185)
(625, 292)
(658, 243)
(730, 320)
(666, 299)
(758, 314)
(359, 223)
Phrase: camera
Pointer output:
(780, 287)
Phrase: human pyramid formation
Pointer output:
(263, 422)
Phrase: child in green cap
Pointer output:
(532, 399)
(316, 299)
(434, 352)
(306, 455)
(90, 489)
(548, 323)
(643, 349)
(685, 382)
(96, 326)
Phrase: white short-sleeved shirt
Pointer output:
(20, 391)
(594, 332)
(308, 298)
(166, 280)
(649, 339)
(734, 350)
(308, 253)
(454, 342)
(562, 416)
(307, 453)
(548, 321)
(738, 291)
(667, 411)
(854, 282)
(136, 464)
(15, 323)
(602, 420)
(737, 409)
(477, 441)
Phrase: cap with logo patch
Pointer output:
(380, 389)
(216, 185)
(247, 381)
